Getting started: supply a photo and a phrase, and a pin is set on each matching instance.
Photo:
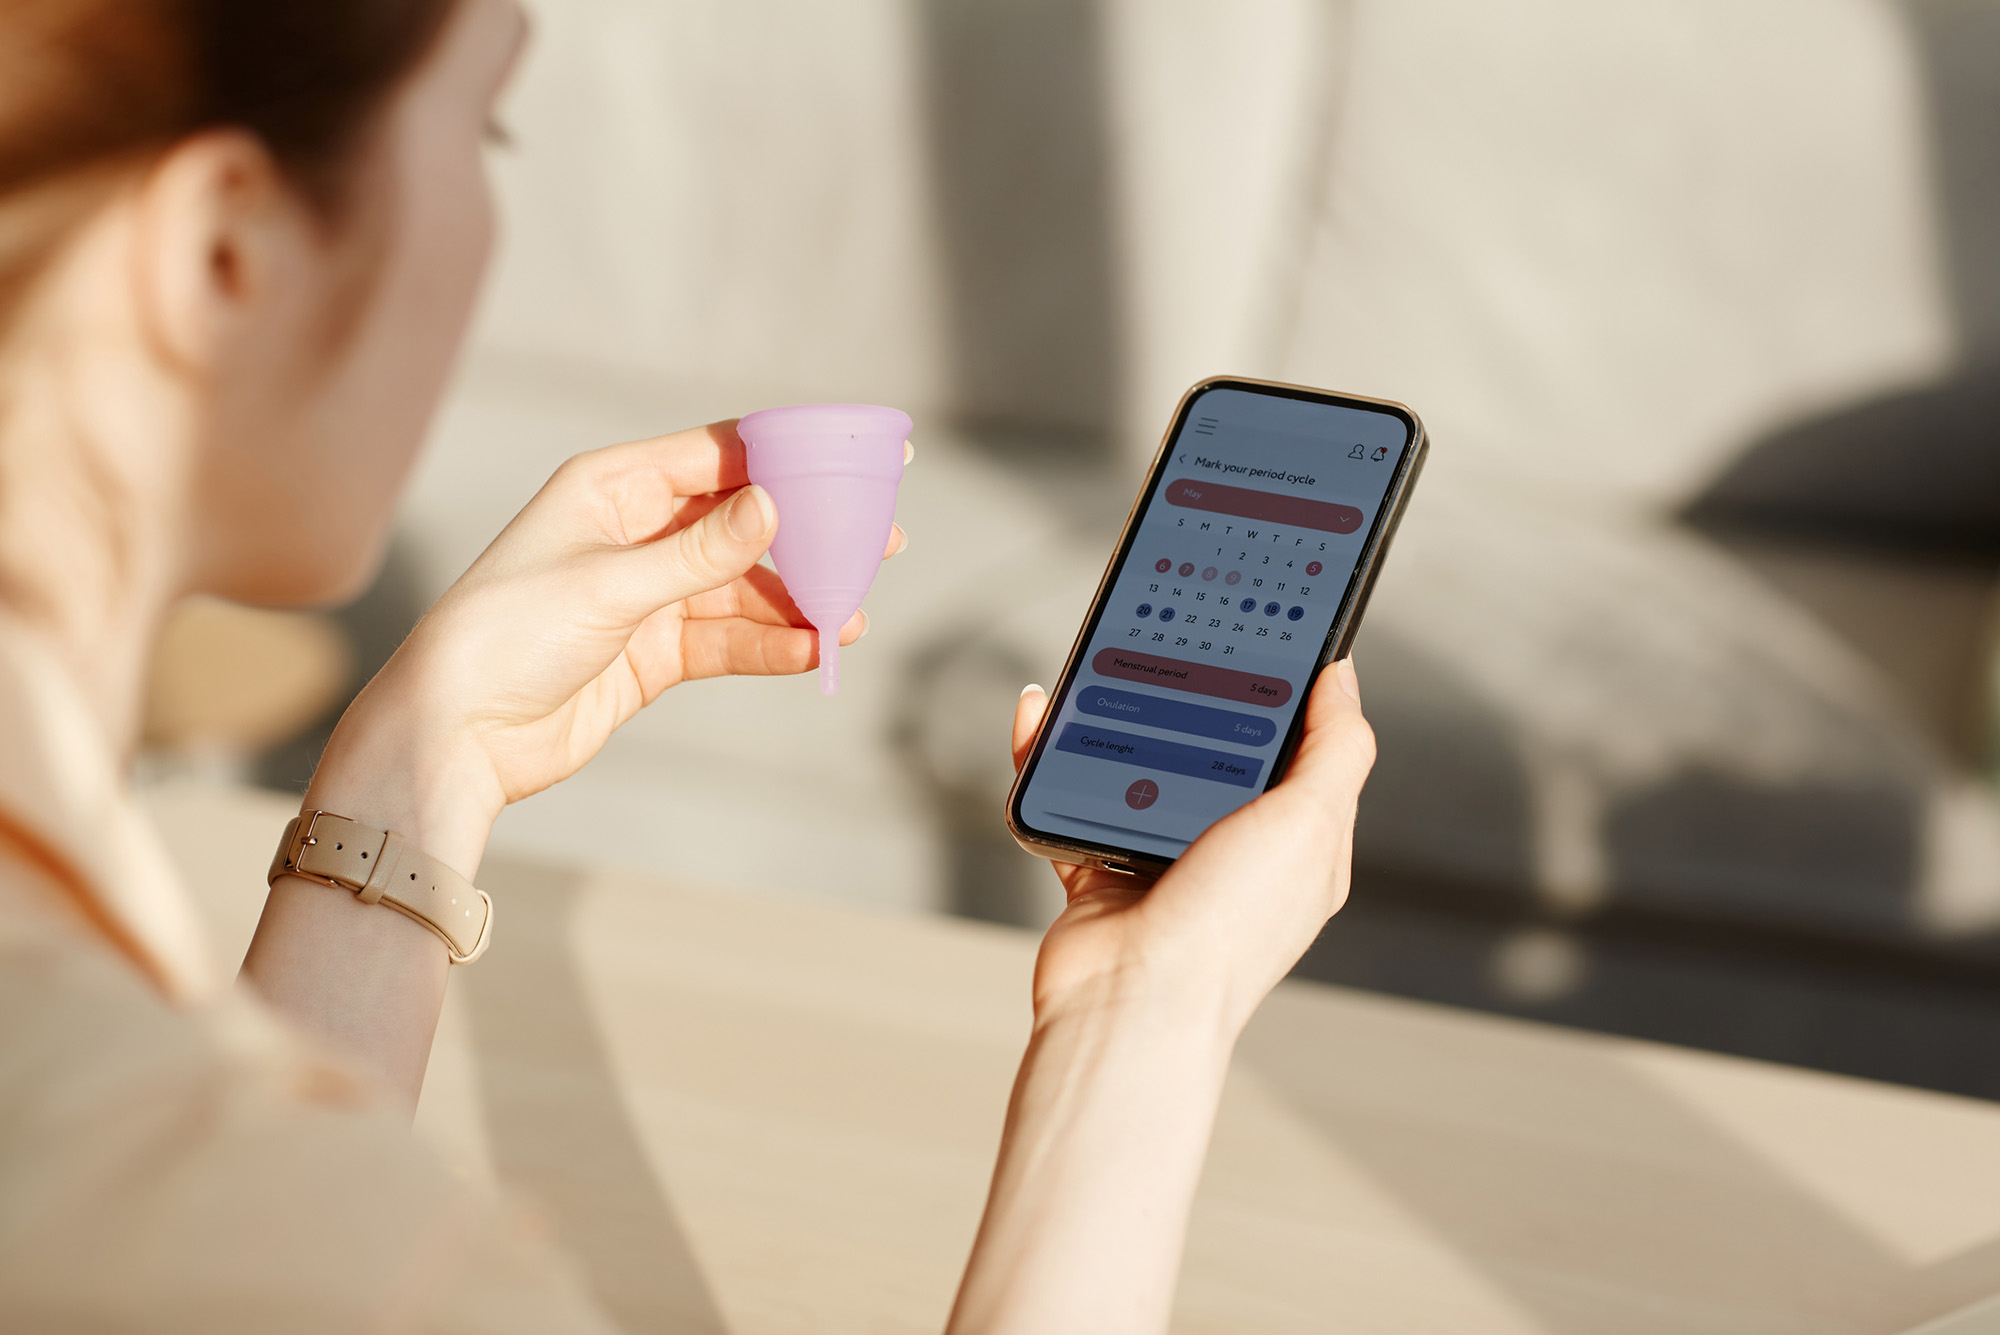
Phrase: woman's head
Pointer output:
(239, 242)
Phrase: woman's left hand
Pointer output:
(632, 570)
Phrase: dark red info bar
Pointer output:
(1178, 674)
(1325, 516)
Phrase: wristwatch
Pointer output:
(381, 869)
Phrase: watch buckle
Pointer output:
(295, 851)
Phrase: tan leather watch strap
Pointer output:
(381, 869)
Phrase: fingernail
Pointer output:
(864, 625)
(902, 540)
(1343, 672)
(909, 451)
(751, 514)
(1031, 687)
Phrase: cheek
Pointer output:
(450, 236)
(429, 288)
(381, 402)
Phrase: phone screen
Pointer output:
(1215, 620)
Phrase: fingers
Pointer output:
(693, 462)
(1028, 714)
(631, 493)
(688, 525)
(716, 550)
(760, 595)
(740, 647)
(643, 488)
(1338, 748)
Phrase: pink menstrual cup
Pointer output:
(832, 470)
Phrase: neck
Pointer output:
(91, 443)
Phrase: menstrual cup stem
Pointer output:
(829, 662)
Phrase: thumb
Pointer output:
(1338, 748)
(1028, 713)
(709, 553)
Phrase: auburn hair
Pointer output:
(92, 89)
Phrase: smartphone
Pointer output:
(1242, 572)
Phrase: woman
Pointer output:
(238, 246)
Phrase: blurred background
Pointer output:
(1684, 665)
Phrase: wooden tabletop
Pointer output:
(759, 1116)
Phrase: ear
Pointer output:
(218, 240)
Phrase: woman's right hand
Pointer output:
(1239, 908)
(634, 569)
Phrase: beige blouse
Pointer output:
(172, 1157)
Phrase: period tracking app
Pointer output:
(1237, 569)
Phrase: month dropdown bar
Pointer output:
(1322, 516)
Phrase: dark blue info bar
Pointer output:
(1196, 762)
(1177, 716)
